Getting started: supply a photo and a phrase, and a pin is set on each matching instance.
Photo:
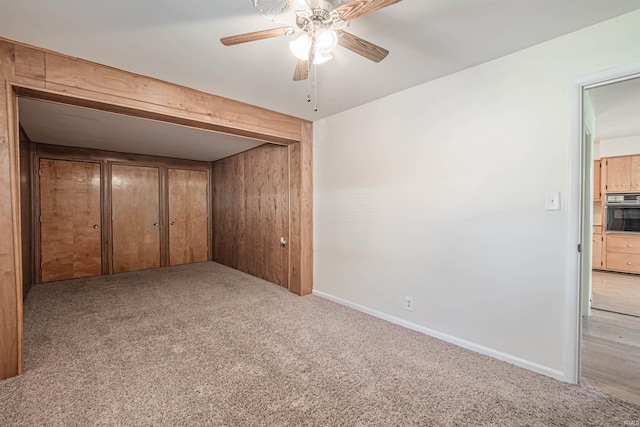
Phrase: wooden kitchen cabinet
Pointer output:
(622, 174)
(635, 174)
(623, 253)
(597, 180)
(618, 176)
(597, 260)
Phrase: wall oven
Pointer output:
(622, 213)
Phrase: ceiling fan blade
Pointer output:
(257, 35)
(357, 8)
(362, 47)
(302, 70)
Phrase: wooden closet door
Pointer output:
(70, 220)
(188, 218)
(135, 213)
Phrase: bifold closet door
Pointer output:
(135, 216)
(70, 244)
(188, 216)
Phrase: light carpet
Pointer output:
(203, 344)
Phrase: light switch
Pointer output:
(552, 201)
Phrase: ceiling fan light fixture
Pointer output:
(301, 4)
(300, 47)
(321, 57)
(327, 40)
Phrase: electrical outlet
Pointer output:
(408, 303)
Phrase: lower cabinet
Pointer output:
(597, 261)
(622, 253)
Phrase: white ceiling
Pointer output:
(178, 41)
(617, 109)
(59, 124)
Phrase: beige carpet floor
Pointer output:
(207, 345)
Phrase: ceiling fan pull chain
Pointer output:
(308, 82)
(315, 86)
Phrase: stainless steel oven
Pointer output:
(622, 213)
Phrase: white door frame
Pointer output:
(581, 189)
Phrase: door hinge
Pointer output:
(607, 162)
(580, 247)
(39, 172)
(40, 265)
(40, 218)
(606, 187)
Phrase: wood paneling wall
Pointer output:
(43, 74)
(229, 211)
(25, 211)
(251, 212)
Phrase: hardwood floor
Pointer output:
(611, 353)
(617, 292)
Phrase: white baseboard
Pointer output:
(544, 370)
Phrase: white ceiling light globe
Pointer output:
(327, 41)
(300, 47)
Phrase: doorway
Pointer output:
(610, 321)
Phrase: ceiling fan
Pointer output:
(322, 26)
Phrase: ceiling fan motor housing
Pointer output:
(321, 16)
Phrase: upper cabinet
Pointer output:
(618, 176)
(635, 174)
(622, 174)
(597, 181)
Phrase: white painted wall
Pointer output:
(437, 192)
(620, 146)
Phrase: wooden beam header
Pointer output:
(43, 74)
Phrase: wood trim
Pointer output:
(109, 213)
(10, 238)
(138, 111)
(87, 154)
(306, 210)
(105, 217)
(295, 244)
(30, 66)
(42, 74)
(300, 214)
(163, 210)
(14, 152)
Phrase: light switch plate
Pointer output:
(552, 201)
